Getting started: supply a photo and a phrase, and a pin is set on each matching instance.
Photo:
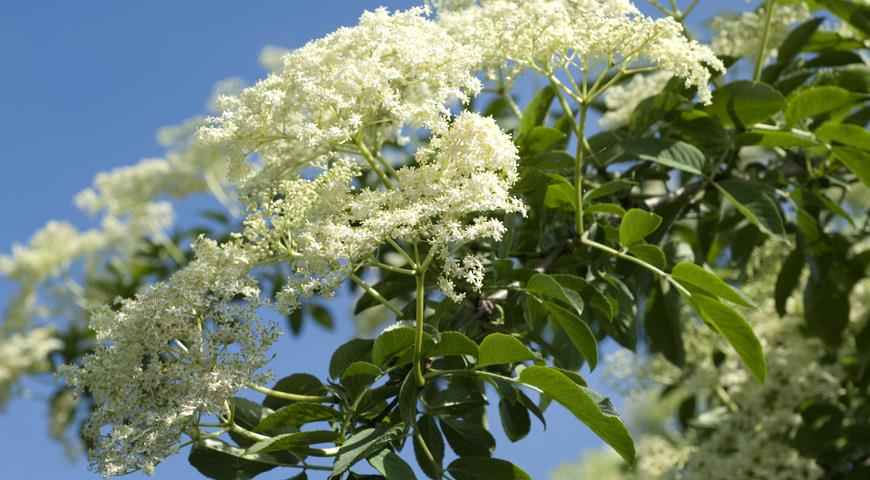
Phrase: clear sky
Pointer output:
(83, 88)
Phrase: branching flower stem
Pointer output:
(373, 162)
(374, 293)
(418, 337)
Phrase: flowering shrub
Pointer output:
(393, 157)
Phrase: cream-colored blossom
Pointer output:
(326, 226)
(25, 353)
(741, 36)
(547, 35)
(176, 351)
(622, 99)
(366, 82)
(49, 252)
(272, 57)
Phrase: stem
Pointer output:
(616, 253)
(391, 268)
(374, 293)
(482, 373)
(247, 433)
(403, 253)
(756, 73)
(578, 168)
(290, 396)
(418, 339)
(428, 454)
(373, 162)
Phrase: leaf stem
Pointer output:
(482, 373)
(616, 253)
(756, 73)
(428, 454)
(290, 396)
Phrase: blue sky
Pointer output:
(84, 88)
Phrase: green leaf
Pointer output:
(797, 39)
(391, 466)
(750, 200)
(248, 414)
(219, 461)
(550, 160)
(455, 401)
(431, 436)
(297, 414)
(652, 109)
(651, 254)
(662, 325)
(591, 295)
(813, 101)
(289, 441)
(608, 208)
(500, 348)
(358, 376)
(691, 275)
(454, 343)
(392, 342)
(515, 420)
(363, 444)
(609, 188)
(855, 13)
(636, 225)
(744, 103)
(540, 139)
(485, 468)
(547, 286)
(826, 307)
(578, 331)
(856, 160)
(670, 153)
(577, 400)
(788, 279)
(846, 134)
(560, 194)
(736, 330)
(535, 113)
(321, 315)
(775, 138)
(467, 439)
(356, 350)
(408, 399)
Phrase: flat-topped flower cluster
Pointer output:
(296, 147)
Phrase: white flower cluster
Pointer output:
(24, 353)
(741, 36)
(129, 189)
(176, 351)
(622, 99)
(550, 34)
(187, 168)
(327, 227)
(364, 82)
